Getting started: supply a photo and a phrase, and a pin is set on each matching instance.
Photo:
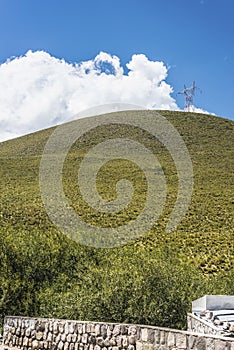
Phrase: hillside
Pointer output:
(150, 280)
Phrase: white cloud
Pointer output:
(38, 90)
(195, 109)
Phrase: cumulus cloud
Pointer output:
(38, 90)
(195, 109)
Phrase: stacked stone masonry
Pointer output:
(196, 324)
(39, 334)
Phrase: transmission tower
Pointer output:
(189, 93)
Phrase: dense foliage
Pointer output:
(151, 280)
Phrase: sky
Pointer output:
(58, 58)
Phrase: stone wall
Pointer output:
(198, 325)
(36, 334)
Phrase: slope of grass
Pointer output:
(150, 280)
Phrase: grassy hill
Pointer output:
(150, 280)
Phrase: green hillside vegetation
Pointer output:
(151, 280)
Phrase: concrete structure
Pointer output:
(213, 302)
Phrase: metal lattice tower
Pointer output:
(188, 96)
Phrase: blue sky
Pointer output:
(195, 38)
